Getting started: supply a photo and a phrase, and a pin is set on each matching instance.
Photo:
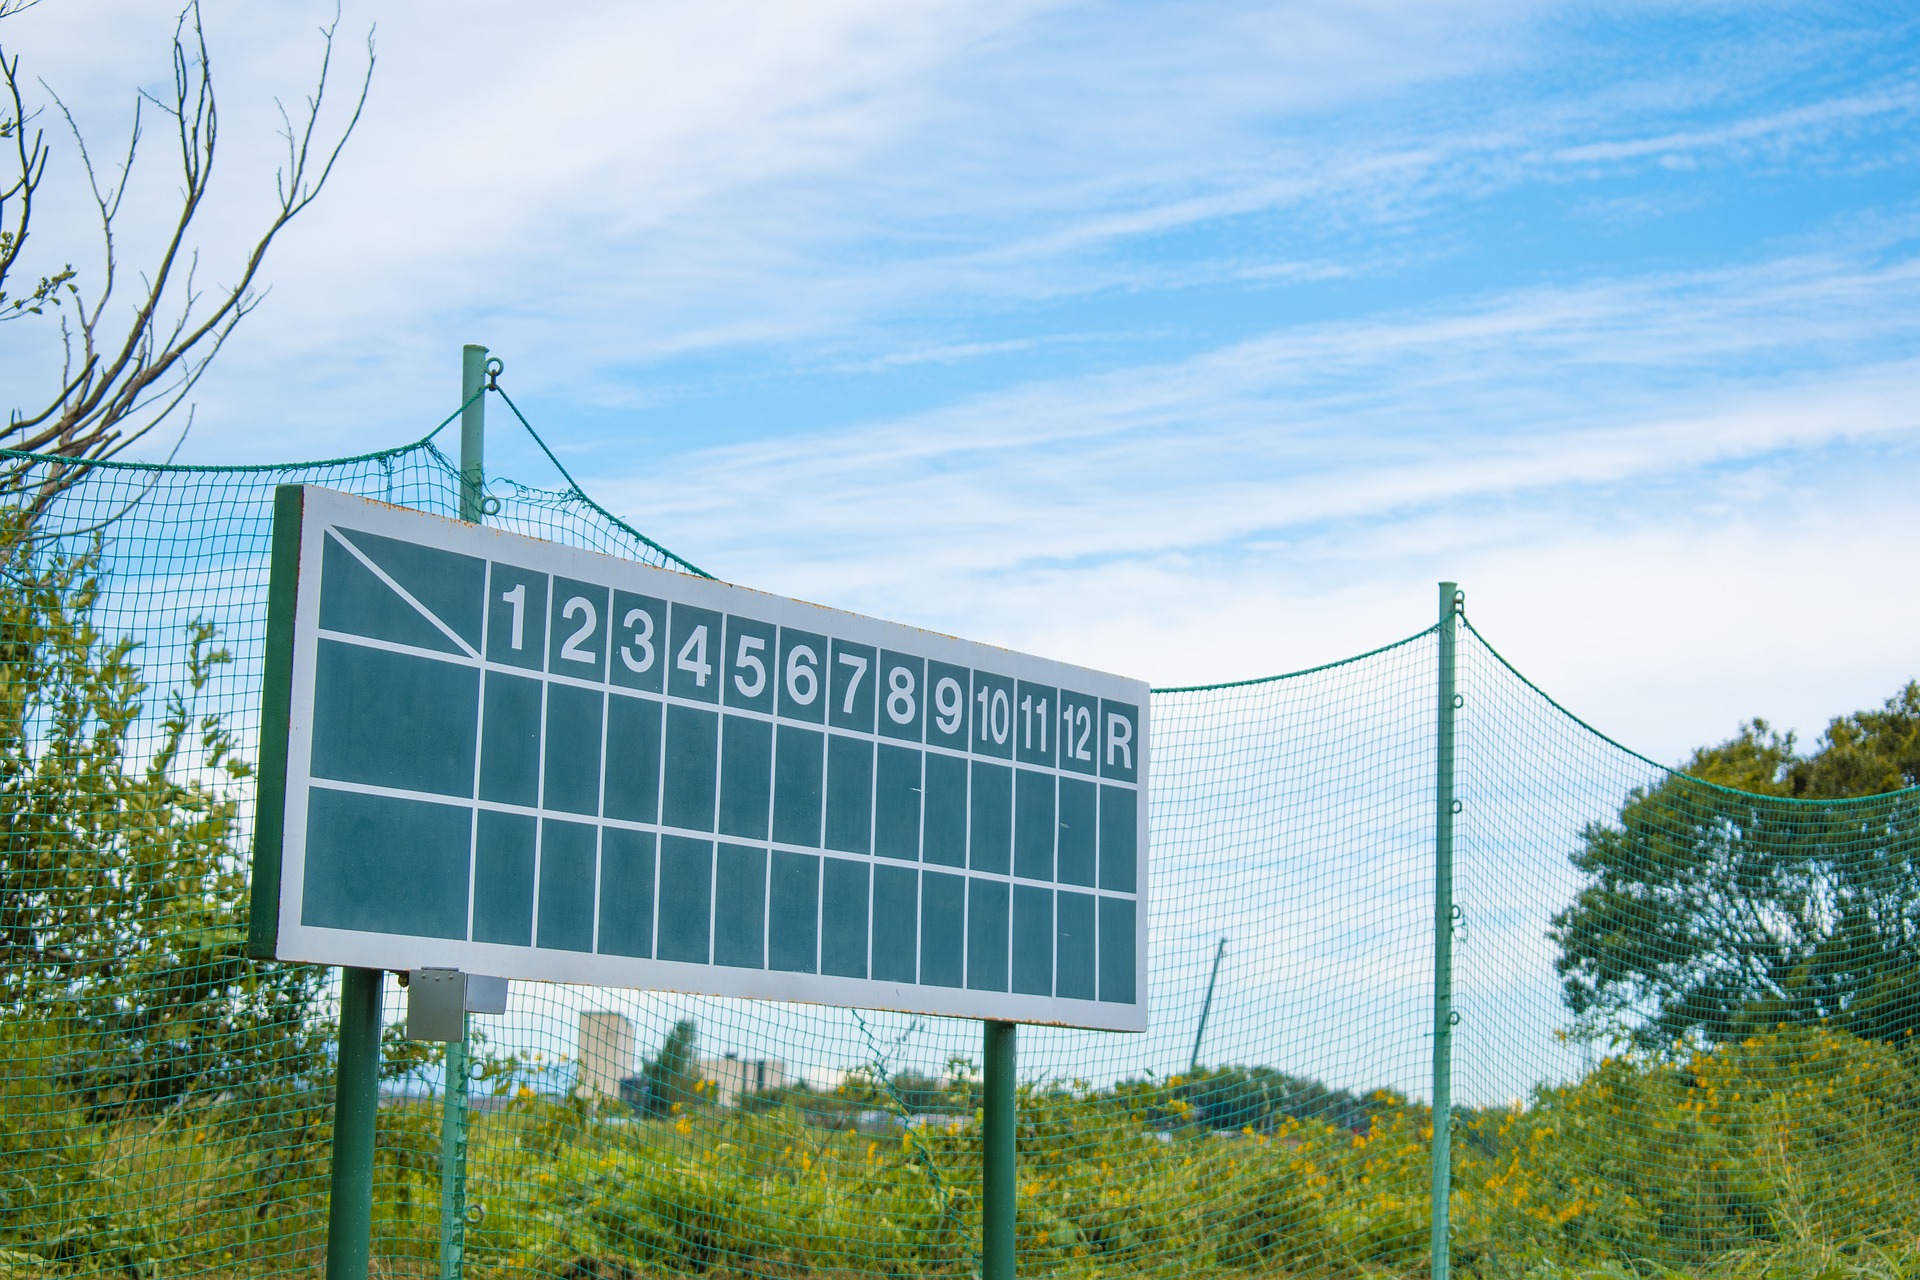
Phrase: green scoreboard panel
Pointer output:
(515, 758)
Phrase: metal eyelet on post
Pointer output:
(489, 506)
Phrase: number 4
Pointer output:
(693, 656)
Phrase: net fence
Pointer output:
(1684, 1011)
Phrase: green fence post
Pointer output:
(1443, 938)
(356, 1102)
(996, 1157)
(473, 431)
(453, 1109)
(453, 1158)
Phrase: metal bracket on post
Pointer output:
(440, 1005)
(996, 1158)
(1444, 1018)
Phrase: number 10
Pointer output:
(996, 715)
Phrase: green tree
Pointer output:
(1760, 887)
(670, 1076)
(122, 874)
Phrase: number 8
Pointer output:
(900, 706)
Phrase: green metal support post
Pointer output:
(996, 1163)
(453, 1113)
(453, 1158)
(356, 1102)
(1443, 937)
(473, 431)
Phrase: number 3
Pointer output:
(642, 640)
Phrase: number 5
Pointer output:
(744, 658)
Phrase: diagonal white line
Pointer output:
(403, 593)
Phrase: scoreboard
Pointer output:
(515, 758)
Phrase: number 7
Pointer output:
(859, 665)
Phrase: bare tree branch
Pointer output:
(117, 384)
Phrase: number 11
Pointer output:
(1028, 720)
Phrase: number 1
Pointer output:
(518, 599)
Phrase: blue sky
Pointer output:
(1189, 341)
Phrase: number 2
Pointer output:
(571, 650)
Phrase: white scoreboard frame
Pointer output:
(294, 634)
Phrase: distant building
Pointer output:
(605, 1054)
(733, 1077)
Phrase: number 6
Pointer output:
(801, 662)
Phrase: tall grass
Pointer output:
(1791, 1154)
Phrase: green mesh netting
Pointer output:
(1683, 1035)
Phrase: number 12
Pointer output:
(1080, 747)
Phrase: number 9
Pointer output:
(948, 701)
(900, 706)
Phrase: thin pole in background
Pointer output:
(1206, 1006)
(1443, 1016)
(453, 1111)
